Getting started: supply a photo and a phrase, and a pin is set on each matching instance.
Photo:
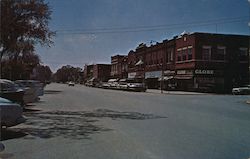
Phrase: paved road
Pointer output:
(81, 122)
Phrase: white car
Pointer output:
(241, 90)
(71, 83)
(10, 113)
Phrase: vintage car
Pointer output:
(37, 86)
(241, 90)
(71, 83)
(11, 113)
(136, 85)
(11, 91)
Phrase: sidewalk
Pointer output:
(174, 92)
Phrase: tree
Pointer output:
(68, 73)
(23, 24)
(19, 67)
(42, 74)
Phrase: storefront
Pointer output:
(152, 79)
(184, 80)
(209, 80)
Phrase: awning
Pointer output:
(140, 62)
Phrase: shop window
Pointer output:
(243, 54)
(206, 53)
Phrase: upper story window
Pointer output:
(221, 52)
(184, 54)
(206, 53)
(170, 55)
(179, 55)
(190, 53)
(243, 56)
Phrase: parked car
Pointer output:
(105, 85)
(123, 85)
(36, 85)
(11, 113)
(241, 90)
(11, 91)
(30, 94)
(113, 83)
(136, 85)
(71, 83)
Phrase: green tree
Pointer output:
(23, 24)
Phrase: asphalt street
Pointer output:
(82, 122)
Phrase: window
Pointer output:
(206, 53)
(184, 55)
(170, 55)
(190, 54)
(179, 55)
(243, 54)
(221, 52)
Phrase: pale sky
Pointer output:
(92, 31)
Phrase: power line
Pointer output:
(153, 28)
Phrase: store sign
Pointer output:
(206, 72)
(184, 72)
(132, 75)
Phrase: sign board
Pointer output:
(132, 75)
(184, 72)
(204, 72)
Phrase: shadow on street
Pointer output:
(68, 124)
(52, 92)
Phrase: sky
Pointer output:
(89, 32)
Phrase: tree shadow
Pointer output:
(7, 134)
(52, 91)
(71, 124)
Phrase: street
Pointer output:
(83, 122)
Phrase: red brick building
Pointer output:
(193, 62)
(88, 72)
(136, 62)
(101, 72)
(119, 66)
(211, 62)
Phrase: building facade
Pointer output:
(101, 72)
(119, 66)
(211, 62)
(193, 62)
(88, 72)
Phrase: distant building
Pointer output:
(119, 66)
(88, 72)
(101, 72)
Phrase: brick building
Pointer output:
(211, 62)
(136, 62)
(88, 72)
(101, 72)
(193, 62)
(119, 66)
